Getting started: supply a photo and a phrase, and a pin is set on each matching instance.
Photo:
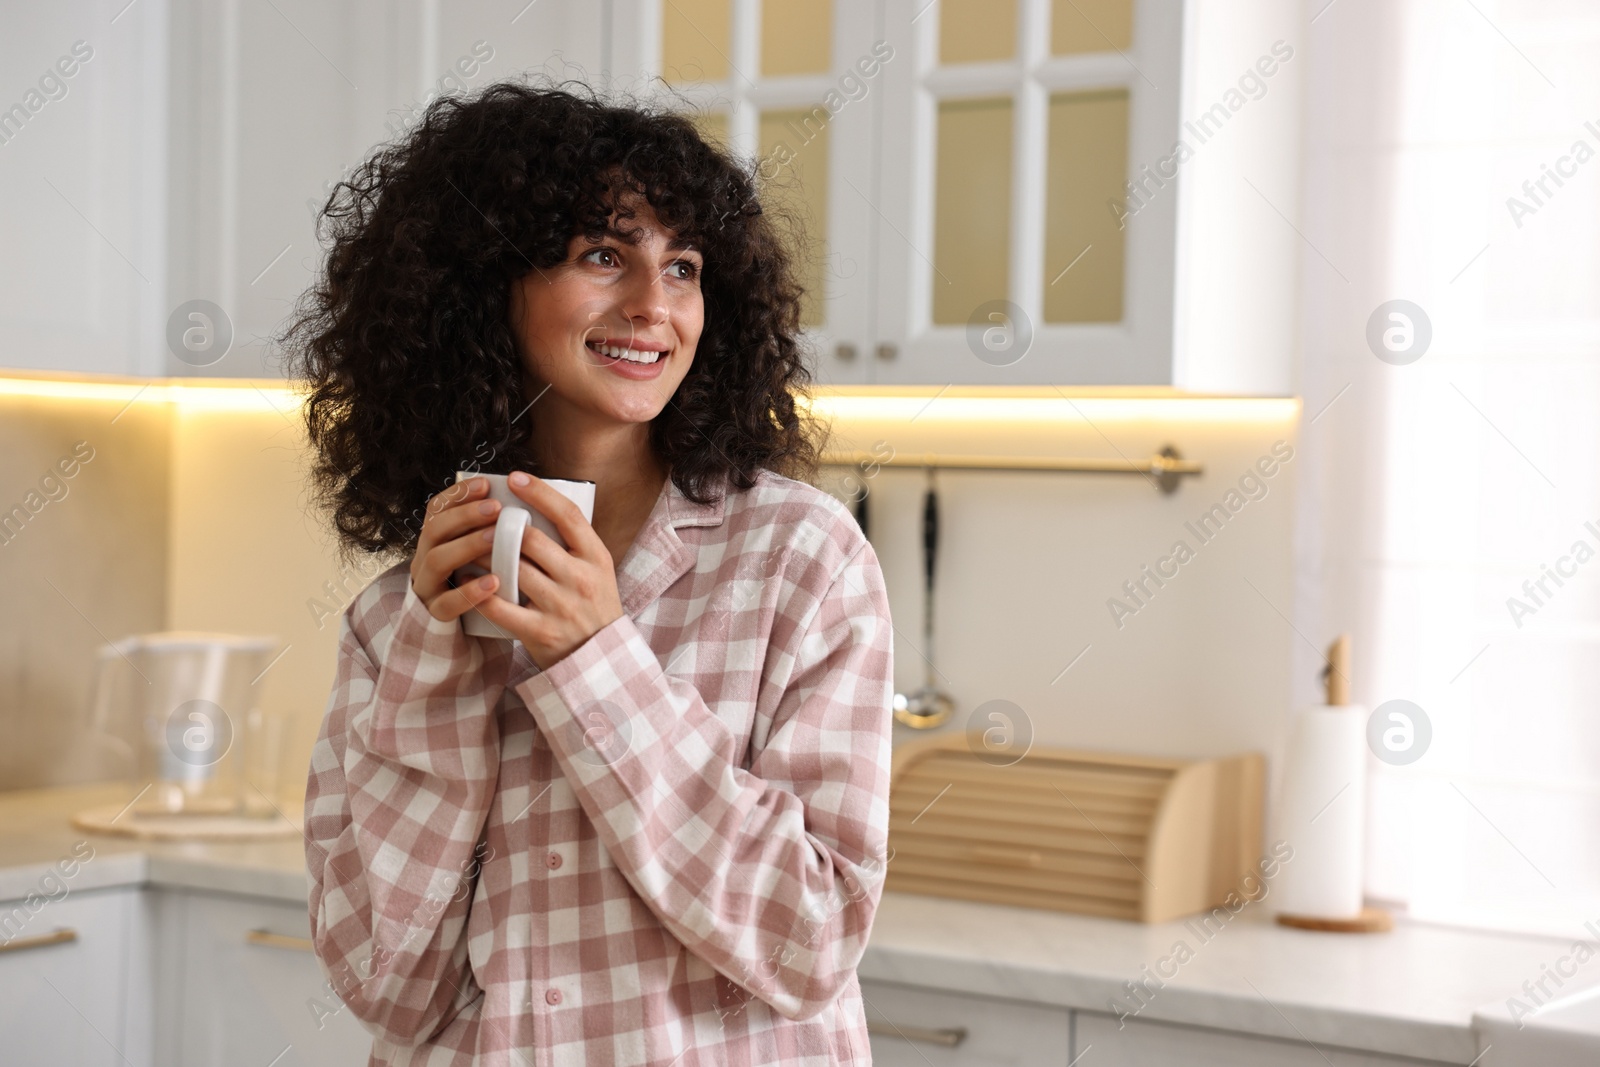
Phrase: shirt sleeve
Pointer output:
(400, 783)
(771, 875)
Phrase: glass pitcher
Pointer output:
(182, 708)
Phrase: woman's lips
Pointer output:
(626, 367)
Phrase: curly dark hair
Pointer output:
(405, 339)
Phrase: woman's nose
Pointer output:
(647, 298)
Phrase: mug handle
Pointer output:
(506, 558)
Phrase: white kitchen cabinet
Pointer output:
(64, 982)
(252, 990)
(999, 160)
(953, 189)
(1012, 180)
(1089, 198)
(185, 158)
(915, 1027)
(795, 89)
(284, 100)
(1100, 1041)
(82, 201)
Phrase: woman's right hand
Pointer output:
(453, 536)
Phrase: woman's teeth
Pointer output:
(629, 354)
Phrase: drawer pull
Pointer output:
(55, 937)
(947, 1037)
(272, 940)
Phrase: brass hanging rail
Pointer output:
(1167, 467)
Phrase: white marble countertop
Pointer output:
(1409, 992)
(36, 833)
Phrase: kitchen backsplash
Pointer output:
(1091, 610)
(83, 561)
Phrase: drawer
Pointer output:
(1152, 1044)
(63, 981)
(914, 1027)
(253, 991)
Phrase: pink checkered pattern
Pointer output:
(667, 849)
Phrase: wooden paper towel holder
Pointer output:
(1126, 837)
(1336, 683)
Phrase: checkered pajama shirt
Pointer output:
(666, 849)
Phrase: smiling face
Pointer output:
(612, 329)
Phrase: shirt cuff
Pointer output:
(424, 649)
(588, 674)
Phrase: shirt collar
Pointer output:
(658, 556)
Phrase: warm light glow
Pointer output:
(202, 394)
(1046, 406)
(926, 404)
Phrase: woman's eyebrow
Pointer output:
(637, 235)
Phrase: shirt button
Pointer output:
(552, 996)
(553, 860)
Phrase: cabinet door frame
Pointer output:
(1136, 351)
(85, 1010)
(233, 987)
(1160, 1043)
(839, 348)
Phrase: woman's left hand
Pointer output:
(571, 593)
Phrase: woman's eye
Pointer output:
(605, 257)
(685, 270)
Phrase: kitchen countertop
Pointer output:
(1409, 992)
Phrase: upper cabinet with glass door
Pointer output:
(790, 86)
(1010, 132)
(1004, 192)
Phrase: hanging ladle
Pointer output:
(929, 706)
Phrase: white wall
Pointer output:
(1029, 561)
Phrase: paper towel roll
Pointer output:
(1321, 813)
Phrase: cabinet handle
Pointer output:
(887, 351)
(948, 1037)
(844, 350)
(272, 940)
(55, 937)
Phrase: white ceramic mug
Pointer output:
(515, 516)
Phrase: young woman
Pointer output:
(652, 829)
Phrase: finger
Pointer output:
(550, 556)
(471, 524)
(457, 493)
(563, 514)
(463, 515)
(446, 558)
(502, 612)
(458, 599)
(540, 589)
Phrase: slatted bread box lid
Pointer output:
(1128, 837)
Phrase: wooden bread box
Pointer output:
(1127, 837)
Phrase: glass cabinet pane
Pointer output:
(793, 172)
(972, 211)
(713, 126)
(1087, 166)
(1078, 26)
(975, 31)
(696, 37)
(796, 37)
